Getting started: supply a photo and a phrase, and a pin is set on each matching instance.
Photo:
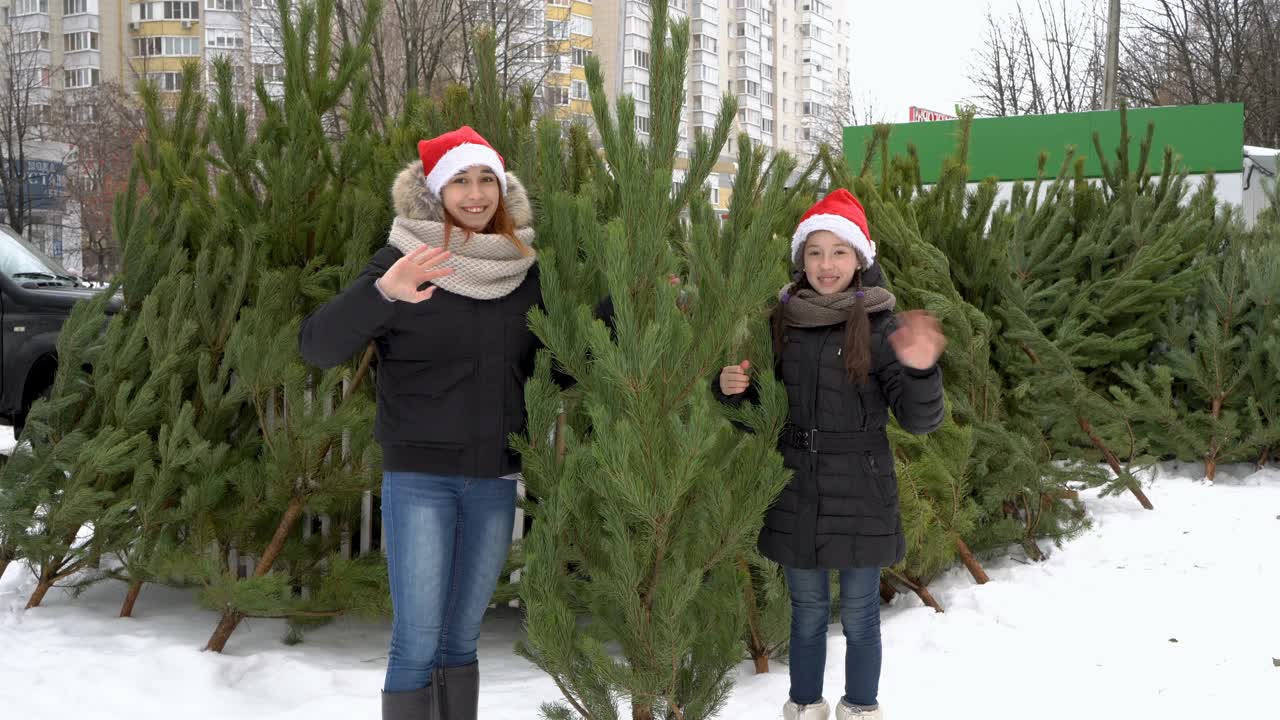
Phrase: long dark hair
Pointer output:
(857, 336)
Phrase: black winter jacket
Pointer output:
(450, 371)
(840, 509)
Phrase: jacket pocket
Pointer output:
(883, 477)
(513, 406)
(429, 380)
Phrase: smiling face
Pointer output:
(829, 262)
(471, 197)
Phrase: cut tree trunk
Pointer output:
(7, 555)
(1211, 457)
(920, 590)
(1033, 550)
(887, 591)
(971, 562)
(231, 618)
(135, 588)
(42, 589)
(562, 424)
(1262, 462)
(1113, 461)
(759, 652)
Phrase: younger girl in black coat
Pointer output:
(846, 361)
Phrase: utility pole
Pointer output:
(1113, 57)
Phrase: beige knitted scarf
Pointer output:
(485, 266)
(808, 308)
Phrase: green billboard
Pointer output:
(1208, 138)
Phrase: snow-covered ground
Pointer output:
(1168, 614)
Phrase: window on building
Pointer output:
(166, 82)
(77, 7)
(558, 29)
(642, 124)
(580, 56)
(581, 25)
(227, 5)
(78, 41)
(642, 59)
(181, 10)
(269, 72)
(27, 7)
(557, 95)
(224, 39)
(82, 77)
(578, 90)
(642, 93)
(83, 113)
(264, 35)
(31, 41)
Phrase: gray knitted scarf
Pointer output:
(808, 308)
(485, 266)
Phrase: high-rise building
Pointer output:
(787, 62)
(570, 32)
(56, 52)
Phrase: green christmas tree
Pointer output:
(632, 582)
(1206, 395)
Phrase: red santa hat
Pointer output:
(451, 153)
(841, 213)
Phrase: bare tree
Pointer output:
(1188, 52)
(1046, 62)
(530, 46)
(844, 109)
(423, 45)
(1262, 117)
(25, 79)
(100, 125)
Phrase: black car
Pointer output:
(36, 297)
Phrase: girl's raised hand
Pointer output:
(918, 342)
(421, 265)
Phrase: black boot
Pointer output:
(420, 704)
(460, 687)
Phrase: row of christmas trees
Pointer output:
(1094, 327)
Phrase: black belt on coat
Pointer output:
(820, 441)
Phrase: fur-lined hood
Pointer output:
(415, 201)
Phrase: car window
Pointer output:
(23, 262)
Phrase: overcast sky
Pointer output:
(917, 52)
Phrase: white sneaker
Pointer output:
(845, 711)
(817, 711)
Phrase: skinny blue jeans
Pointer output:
(447, 541)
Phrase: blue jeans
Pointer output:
(860, 616)
(447, 541)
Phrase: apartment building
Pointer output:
(570, 29)
(60, 50)
(784, 60)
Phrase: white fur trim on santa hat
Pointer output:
(460, 158)
(843, 227)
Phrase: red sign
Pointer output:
(919, 114)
